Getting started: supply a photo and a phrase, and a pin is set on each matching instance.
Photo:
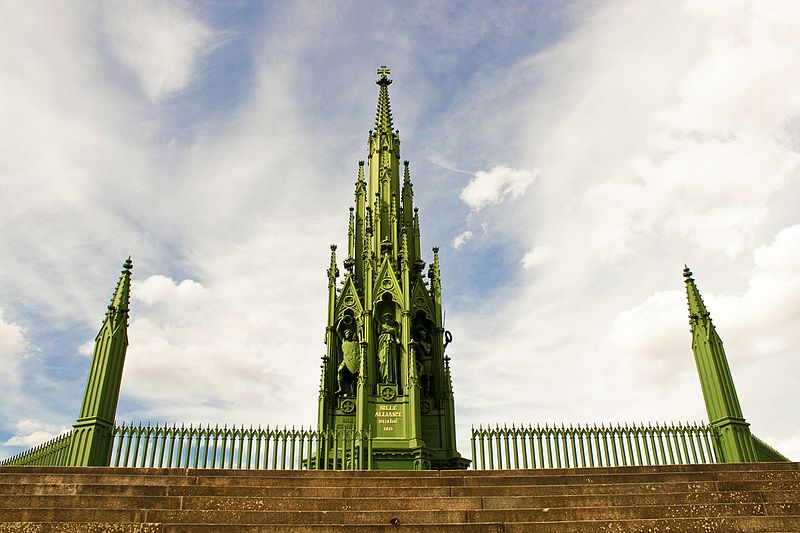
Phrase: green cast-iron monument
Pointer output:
(385, 396)
(385, 369)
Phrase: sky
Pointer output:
(568, 157)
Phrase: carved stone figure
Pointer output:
(388, 340)
(347, 372)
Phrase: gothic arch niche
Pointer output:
(389, 345)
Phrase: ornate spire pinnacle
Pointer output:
(119, 304)
(697, 309)
(404, 251)
(360, 172)
(406, 174)
(333, 270)
(383, 118)
(433, 272)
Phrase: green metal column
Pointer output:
(733, 442)
(92, 432)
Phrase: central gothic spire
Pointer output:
(385, 370)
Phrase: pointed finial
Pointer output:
(383, 118)
(406, 173)
(122, 293)
(333, 271)
(433, 270)
(383, 72)
(351, 225)
(697, 308)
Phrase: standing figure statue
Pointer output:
(388, 341)
(347, 372)
(422, 353)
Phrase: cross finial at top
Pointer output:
(384, 72)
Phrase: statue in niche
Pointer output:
(422, 353)
(388, 341)
(347, 373)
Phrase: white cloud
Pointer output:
(536, 257)
(160, 42)
(12, 345)
(494, 186)
(29, 433)
(462, 238)
(12, 340)
(176, 297)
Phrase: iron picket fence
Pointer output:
(52, 453)
(240, 448)
(585, 446)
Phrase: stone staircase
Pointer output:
(692, 498)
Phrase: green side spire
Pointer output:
(91, 436)
(734, 443)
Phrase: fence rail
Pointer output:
(52, 453)
(240, 448)
(585, 446)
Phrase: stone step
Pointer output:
(229, 472)
(250, 503)
(754, 524)
(456, 516)
(81, 527)
(444, 516)
(474, 503)
(731, 467)
(124, 489)
(301, 480)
